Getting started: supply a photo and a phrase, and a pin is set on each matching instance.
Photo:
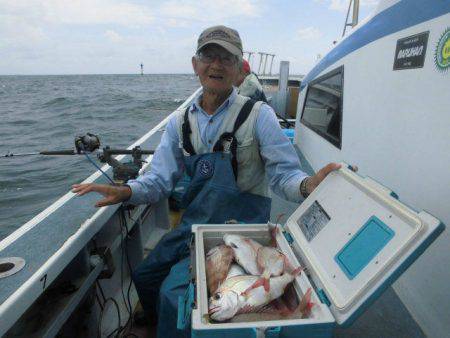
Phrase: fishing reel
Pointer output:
(87, 143)
(122, 172)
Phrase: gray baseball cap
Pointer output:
(223, 36)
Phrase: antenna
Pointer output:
(354, 16)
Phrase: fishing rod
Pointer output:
(83, 143)
(89, 143)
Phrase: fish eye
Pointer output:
(233, 245)
(217, 296)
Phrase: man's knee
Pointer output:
(166, 289)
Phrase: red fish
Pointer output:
(218, 263)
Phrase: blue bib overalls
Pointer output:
(212, 197)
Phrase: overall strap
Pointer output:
(187, 131)
(243, 114)
(227, 141)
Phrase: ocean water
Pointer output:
(46, 113)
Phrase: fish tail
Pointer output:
(306, 305)
(273, 230)
(297, 271)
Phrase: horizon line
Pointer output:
(75, 74)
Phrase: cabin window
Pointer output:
(322, 111)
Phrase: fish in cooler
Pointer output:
(245, 252)
(229, 300)
(257, 259)
(218, 263)
(235, 270)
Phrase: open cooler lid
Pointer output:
(356, 238)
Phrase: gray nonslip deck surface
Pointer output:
(387, 317)
(41, 242)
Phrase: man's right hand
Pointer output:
(113, 194)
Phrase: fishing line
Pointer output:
(95, 165)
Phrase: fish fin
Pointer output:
(257, 284)
(245, 295)
(283, 310)
(306, 305)
(266, 284)
(266, 280)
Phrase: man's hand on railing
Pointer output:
(113, 194)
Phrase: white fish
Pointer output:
(245, 252)
(228, 300)
(235, 270)
(271, 261)
(257, 259)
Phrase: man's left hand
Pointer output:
(313, 181)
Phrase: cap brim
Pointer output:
(228, 46)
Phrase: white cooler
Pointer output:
(353, 236)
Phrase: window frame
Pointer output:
(336, 143)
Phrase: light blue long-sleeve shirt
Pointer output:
(281, 162)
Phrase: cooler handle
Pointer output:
(372, 182)
(380, 187)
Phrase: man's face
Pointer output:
(216, 68)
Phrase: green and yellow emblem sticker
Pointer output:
(442, 52)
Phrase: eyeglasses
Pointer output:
(209, 57)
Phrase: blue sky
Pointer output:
(115, 36)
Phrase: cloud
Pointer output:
(342, 5)
(38, 35)
(309, 33)
(19, 36)
(210, 11)
(113, 36)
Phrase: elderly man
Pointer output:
(227, 144)
(248, 83)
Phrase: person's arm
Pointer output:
(166, 168)
(281, 161)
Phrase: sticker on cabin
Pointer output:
(410, 51)
(313, 220)
(442, 52)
